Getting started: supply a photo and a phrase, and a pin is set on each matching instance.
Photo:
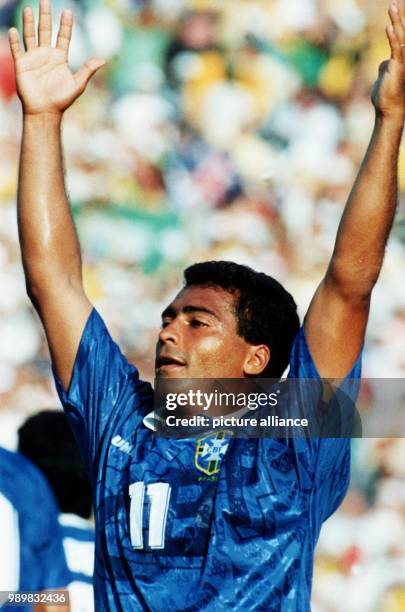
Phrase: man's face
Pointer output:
(199, 336)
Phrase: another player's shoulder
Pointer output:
(20, 480)
(16, 466)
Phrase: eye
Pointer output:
(198, 323)
(165, 323)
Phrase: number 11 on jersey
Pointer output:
(159, 496)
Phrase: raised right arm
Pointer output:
(49, 244)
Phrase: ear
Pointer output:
(256, 360)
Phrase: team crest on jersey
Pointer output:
(210, 451)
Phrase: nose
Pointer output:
(170, 333)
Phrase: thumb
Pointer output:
(83, 76)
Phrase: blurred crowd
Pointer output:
(219, 129)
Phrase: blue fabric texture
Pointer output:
(171, 535)
(42, 558)
(79, 535)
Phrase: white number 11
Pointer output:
(159, 495)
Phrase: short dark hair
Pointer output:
(266, 312)
(48, 441)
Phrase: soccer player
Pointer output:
(47, 440)
(173, 530)
(31, 551)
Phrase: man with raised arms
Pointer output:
(215, 523)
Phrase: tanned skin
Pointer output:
(336, 320)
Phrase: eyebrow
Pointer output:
(170, 311)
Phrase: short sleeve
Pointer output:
(302, 365)
(327, 459)
(104, 386)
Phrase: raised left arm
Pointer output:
(337, 317)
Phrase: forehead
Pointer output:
(213, 298)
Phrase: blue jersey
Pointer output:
(78, 543)
(177, 531)
(31, 552)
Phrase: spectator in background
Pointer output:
(105, 392)
(303, 63)
(31, 551)
(47, 440)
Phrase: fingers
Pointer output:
(396, 50)
(45, 23)
(396, 32)
(30, 40)
(83, 76)
(65, 31)
(401, 10)
(15, 44)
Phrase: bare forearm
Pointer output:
(49, 244)
(336, 321)
(369, 213)
(50, 249)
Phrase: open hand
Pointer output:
(388, 94)
(45, 83)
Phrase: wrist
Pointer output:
(42, 119)
(393, 121)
